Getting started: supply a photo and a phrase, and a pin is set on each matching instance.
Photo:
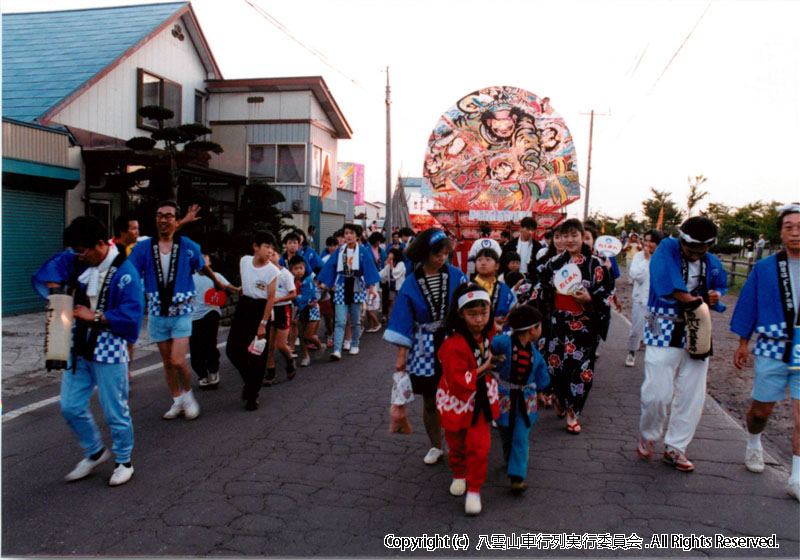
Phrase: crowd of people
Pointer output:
(483, 348)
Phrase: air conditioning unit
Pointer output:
(297, 205)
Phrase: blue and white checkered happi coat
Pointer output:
(313, 313)
(421, 355)
(772, 341)
(181, 304)
(359, 292)
(110, 349)
(661, 335)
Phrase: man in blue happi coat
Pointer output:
(108, 309)
(768, 305)
(166, 264)
(685, 282)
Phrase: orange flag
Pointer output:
(327, 187)
(660, 221)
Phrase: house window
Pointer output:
(155, 90)
(199, 107)
(278, 163)
(318, 156)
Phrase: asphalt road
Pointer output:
(314, 472)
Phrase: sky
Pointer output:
(679, 88)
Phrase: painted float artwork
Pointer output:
(501, 153)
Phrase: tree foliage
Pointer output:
(673, 216)
(259, 212)
(695, 194)
(161, 166)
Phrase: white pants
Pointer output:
(671, 377)
(638, 314)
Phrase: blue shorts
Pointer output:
(166, 328)
(771, 377)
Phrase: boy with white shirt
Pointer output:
(253, 312)
(205, 326)
(281, 322)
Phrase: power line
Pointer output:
(316, 53)
(664, 71)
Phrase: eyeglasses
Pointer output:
(167, 217)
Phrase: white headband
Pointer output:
(526, 328)
(791, 207)
(689, 239)
(473, 295)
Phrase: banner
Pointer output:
(327, 187)
(351, 178)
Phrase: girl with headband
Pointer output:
(467, 396)
(416, 325)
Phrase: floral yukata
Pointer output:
(574, 331)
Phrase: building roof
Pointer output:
(315, 84)
(51, 57)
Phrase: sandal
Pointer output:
(574, 428)
(560, 412)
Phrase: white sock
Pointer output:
(178, 399)
(795, 468)
(753, 441)
(186, 394)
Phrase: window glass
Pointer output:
(198, 108)
(151, 94)
(262, 162)
(316, 166)
(291, 164)
(172, 100)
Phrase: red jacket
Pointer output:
(455, 398)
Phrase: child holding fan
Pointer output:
(467, 398)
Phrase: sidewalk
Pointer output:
(314, 472)
(23, 353)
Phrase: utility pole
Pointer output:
(387, 224)
(589, 163)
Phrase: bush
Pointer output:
(725, 249)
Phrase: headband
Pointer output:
(526, 328)
(473, 295)
(689, 239)
(791, 207)
(436, 237)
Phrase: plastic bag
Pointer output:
(402, 393)
(398, 420)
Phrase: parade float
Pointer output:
(498, 155)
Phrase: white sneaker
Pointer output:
(174, 411)
(346, 345)
(754, 460)
(203, 382)
(630, 361)
(122, 474)
(213, 378)
(190, 407)
(86, 466)
(433, 456)
(354, 351)
(336, 356)
(305, 362)
(294, 355)
(793, 488)
(458, 487)
(472, 506)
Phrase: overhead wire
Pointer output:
(312, 50)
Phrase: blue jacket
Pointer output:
(538, 377)
(366, 268)
(665, 278)
(190, 260)
(308, 292)
(760, 309)
(410, 310)
(124, 309)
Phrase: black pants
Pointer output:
(203, 345)
(385, 298)
(244, 327)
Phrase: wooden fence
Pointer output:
(745, 266)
